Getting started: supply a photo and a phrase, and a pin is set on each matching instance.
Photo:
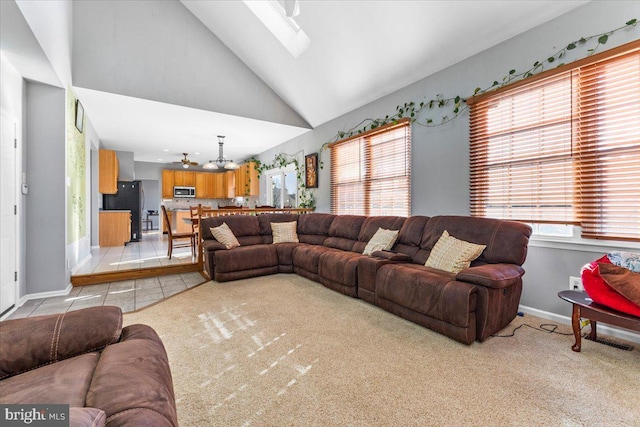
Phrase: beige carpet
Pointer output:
(282, 350)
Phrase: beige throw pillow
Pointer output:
(284, 232)
(453, 255)
(224, 235)
(383, 240)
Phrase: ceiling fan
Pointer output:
(186, 162)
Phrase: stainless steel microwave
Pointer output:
(184, 191)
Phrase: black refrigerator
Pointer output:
(129, 197)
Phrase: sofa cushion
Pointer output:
(246, 258)
(313, 228)
(409, 236)
(30, 343)
(86, 417)
(284, 232)
(371, 225)
(506, 241)
(246, 228)
(266, 219)
(344, 232)
(453, 255)
(225, 236)
(64, 382)
(383, 240)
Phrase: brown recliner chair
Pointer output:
(107, 374)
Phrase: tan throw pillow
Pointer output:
(284, 232)
(383, 240)
(453, 255)
(224, 235)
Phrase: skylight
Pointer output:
(283, 27)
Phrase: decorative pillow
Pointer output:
(383, 240)
(601, 292)
(453, 255)
(627, 260)
(284, 232)
(224, 235)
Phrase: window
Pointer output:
(371, 173)
(282, 189)
(563, 147)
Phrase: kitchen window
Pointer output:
(563, 147)
(371, 172)
(282, 191)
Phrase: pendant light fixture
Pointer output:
(221, 162)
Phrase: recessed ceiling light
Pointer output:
(274, 16)
(159, 160)
(196, 153)
(166, 150)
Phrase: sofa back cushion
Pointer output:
(506, 241)
(246, 228)
(408, 242)
(344, 232)
(313, 228)
(371, 225)
(266, 219)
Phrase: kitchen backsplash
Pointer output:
(185, 203)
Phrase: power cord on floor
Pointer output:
(544, 327)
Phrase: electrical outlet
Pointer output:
(575, 283)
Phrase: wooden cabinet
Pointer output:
(107, 172)
(184, 179)
(202, 189)
(182, 222)
(247, 182)
(167, 184)
(114, 228)
(228, 185)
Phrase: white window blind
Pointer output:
(371, 173)
(563, 147)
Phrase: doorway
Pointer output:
(8, 215)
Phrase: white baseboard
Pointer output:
(39, 295)
(80, 264)
(604, 329)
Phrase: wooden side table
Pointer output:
(584, 307)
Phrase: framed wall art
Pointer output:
(311, 170)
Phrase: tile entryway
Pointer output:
(129, 295)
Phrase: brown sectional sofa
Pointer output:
(468, 306)
(109, 375)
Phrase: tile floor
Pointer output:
(129, 295)
(150, 251)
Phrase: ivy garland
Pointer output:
(306, 198)
(457, 104)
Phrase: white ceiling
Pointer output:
(360, 51)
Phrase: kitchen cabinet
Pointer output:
(107, 172)
(182, 226)
(202, 189)
(114, 228)
(184, 178)
(247, 181)
(228, 185)
(167, 184)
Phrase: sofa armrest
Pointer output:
(392, 256)
(210, 245)
(492, 275)
(86, 417)
(35, 341)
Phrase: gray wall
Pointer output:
(45, 206)
(126, 168)
(149, 170)
(440, 156)
(152, 195)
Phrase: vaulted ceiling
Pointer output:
(160, 78)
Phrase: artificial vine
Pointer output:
(457, 104)
(306, 198)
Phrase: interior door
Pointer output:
(8, 217)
